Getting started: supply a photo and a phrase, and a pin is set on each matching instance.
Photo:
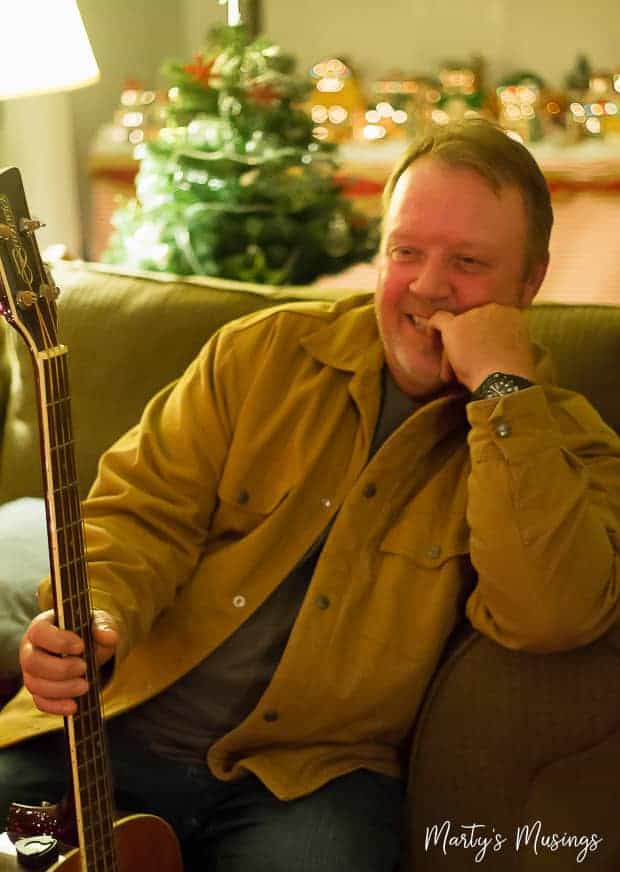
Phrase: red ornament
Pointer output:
(264, 94)
(199, 70)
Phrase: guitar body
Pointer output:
(143, 842)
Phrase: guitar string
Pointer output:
(102, 821)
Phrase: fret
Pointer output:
(59, 401)
(61, 446)
(59, 420)
(70, 534)
(77, 562)
(63, 488)
(76, 597)
(63, 466)
(85, 710)
(93, 781)
(72, 568)
(75, 524)
(99, 746)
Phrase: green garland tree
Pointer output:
(235, 185)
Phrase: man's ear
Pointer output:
(534, 281)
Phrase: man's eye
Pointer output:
(404, 252)
(469, 262)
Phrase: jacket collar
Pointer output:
(351, 341)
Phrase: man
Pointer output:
(281, 548)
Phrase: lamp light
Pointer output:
(45, 48)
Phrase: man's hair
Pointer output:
(485, 148)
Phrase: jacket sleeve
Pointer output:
(544, 515)
(147, 515)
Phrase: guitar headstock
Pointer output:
(27, 290)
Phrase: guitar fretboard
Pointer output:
(90, 773)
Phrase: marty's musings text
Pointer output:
(484, 840)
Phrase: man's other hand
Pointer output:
(482, 340)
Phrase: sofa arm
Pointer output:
(500, 737)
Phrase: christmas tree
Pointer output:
(235, 185)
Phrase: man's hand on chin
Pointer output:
(486, 339)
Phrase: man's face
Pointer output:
(449, 243)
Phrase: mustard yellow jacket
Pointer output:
(506, 509)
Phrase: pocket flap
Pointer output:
(428, 539)
(256, 494)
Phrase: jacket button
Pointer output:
(433, 552)
(503, 429)
(326, 503)
(239, 601)
(270, 716)
(242, 496)
(322, 601)
(370, 490)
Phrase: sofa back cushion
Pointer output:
(128, 335)
(584, 342)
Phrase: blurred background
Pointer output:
(549, 71)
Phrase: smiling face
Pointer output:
(450, 243)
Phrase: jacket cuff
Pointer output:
(516, 426)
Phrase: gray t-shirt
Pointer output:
(183, 721)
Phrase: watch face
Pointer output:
(501, 386)
(498, 384)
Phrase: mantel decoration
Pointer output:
(235, 185)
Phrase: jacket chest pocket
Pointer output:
(426, 566)
(425, 577)
(428, 541)
(245, 502)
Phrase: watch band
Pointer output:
(499, 384)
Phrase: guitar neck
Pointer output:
(86, 741)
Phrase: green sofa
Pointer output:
(504, 739)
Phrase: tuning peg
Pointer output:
(29, 225)
(51, 283)
(26, 299)
(49, 292)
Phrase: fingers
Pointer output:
(52, 662)
(483, 339)
(446, 373)
(105, 636)
(53, 680)
(440, 320)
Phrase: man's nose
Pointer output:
(431, 282)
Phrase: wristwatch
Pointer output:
(498, 384)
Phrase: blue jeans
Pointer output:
(351, 824)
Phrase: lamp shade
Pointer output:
(45, 48)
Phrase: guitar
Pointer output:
(85, 818)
